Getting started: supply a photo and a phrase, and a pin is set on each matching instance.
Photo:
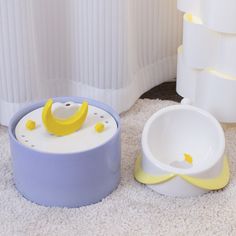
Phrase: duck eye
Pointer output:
(67, 104)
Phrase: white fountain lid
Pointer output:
(84, 139)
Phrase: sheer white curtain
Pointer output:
(110, 50)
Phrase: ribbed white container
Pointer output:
(206, 65)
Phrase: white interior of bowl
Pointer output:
(176, 130)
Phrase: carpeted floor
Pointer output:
(132, 209)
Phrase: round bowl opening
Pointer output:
(183, 139)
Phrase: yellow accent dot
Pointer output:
(99, 127)
(30, 124)
(188, 158)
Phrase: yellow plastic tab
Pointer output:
(99, 127)
(188, 158)
(62, 127)
(216, 183)
(145, 178)
(30, 124)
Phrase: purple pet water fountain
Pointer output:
(66, 151)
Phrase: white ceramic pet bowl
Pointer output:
(183, 152)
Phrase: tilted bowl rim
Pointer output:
(167, 168)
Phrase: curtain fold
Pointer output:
(110, 50)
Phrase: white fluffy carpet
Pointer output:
(132, 209)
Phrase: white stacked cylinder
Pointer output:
(206, 60)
